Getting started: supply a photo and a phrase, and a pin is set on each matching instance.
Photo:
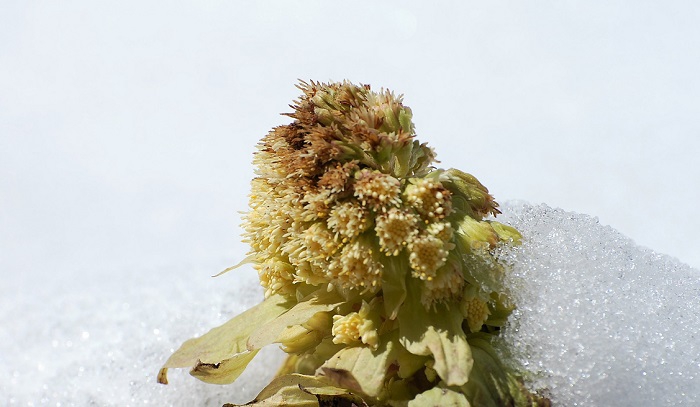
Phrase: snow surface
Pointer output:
(601, 322)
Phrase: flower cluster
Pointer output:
(342, 187)
(366, 251)
(346, 185)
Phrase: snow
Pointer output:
(104, 344)
(601, 321)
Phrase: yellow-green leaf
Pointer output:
(362, 369)
(438, 333)
(224, 372)
(437, 397)
(394, 283)
(491, 384)
(295, 390)
(220, 355)
(267, 332)
(507, 233)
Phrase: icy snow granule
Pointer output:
(601, 321)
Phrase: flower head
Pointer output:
(427, 254)
(429, 198)
(357, 267)
(348, 219)
(475, 311)
(355, 328)
(378, 268)
(377, 190)
(341, 168)
(395, 229)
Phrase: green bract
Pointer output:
(378, 268)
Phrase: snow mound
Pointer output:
(600, 320)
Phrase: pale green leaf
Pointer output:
(224, 372)
(267, 332)
(507, 233)
(220, 355)
(491, 384)
(487, 385)
(394, 283)
(295, 390)
(333, 396)
(405, 120)
(437, 332)
(437, 397)
(408, 362)
(362, 369)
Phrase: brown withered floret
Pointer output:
(320, 143)
(338, 177)
(349, 96)
(366, 136)
(294, 136)
(287, 144)
(365, 118)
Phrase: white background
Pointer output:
(127, 128)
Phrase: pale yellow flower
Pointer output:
(395, 228)
(447, 285)
(427, 254)
(428, 197)
(377, 190)
(474, 308)
(276, 276)
(441, 230)
(355, 327)
(348, 219)
(357, 267)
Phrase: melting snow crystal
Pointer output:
(601, 322)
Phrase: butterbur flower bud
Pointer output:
(471, 192)
(429, 198)
(446, 286)
(348, 219)
(474, 309)
(358, 267)
(318, 242)
(276, 276)
(441, 230)
(427, 254)
(356, 327)
(379, 270)
(297, 339)
(377, 190)
(395, 229)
